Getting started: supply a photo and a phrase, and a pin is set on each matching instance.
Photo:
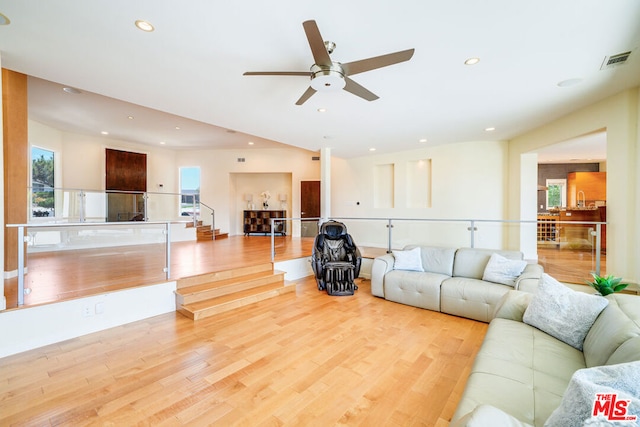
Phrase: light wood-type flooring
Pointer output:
(303, 358)
(56, 276)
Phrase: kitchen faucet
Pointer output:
(581, 204)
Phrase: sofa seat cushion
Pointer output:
(521, 371)
(471, 298)
(419, 289)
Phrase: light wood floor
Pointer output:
(56, 276)
(303, 358)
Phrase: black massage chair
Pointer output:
(335, 259)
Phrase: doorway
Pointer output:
(309, 207)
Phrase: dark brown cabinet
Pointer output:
(259, 221)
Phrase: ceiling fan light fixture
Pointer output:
(472, 61)
(325, 79)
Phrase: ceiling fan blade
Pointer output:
(316, 43)
(306, 95)
(368, 64)
(277, 73)
(359, 90)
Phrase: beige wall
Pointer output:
(224, 181)
(468, 180)
(620, 116)
(223, 188)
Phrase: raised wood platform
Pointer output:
(206, 295)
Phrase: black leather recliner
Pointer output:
(335, 259)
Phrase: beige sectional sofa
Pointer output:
(548, 350)
(451, 281)
(521, 374)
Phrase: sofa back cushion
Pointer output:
(435, 259)
(472, 262)
(617, 324)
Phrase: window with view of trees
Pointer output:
(556, 194)
(42, 184)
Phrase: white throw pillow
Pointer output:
(503, 270)
(408, 260)
(617, 389)
(562, 312)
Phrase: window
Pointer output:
(556, 193)
(189, 190)
(42, 185)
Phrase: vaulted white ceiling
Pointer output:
(188, 71)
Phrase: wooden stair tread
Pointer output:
(224, 274)
(200, 305)
(215, 284)
(209, 294)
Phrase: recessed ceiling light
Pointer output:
(372, 149)
(570, 82)
(472, 61)
(177, 127)
(72, 90)
(162, 143)
(489, 129)
(251, 142)
(4, 20)
(144, 25)
(423, 140)
(104, 132)
(322, 110)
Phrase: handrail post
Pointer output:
(273, 239)
(193, 209)
(598, 243)
(82, 205)
(20, 265)
(472, 229)
(167, 242)
(213, 221)
(145, 198)
(390, 235)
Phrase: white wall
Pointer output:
(620, 116)
(468, 180)
(220, 171)
(33, 327)
(81, 165)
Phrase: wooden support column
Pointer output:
(16, 160)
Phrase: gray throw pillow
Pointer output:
(562, 312)
(600, 396)
(503, 270)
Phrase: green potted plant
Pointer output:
(606, 285)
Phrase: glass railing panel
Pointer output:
(166, 207)
(431, 233)
(136, 254)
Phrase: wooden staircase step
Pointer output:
(234, 285)
(213, 306)
(224, 274)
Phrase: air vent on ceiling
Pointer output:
(615, 60)
(240, 159)
(315, 158)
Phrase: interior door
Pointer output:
(309, 207)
